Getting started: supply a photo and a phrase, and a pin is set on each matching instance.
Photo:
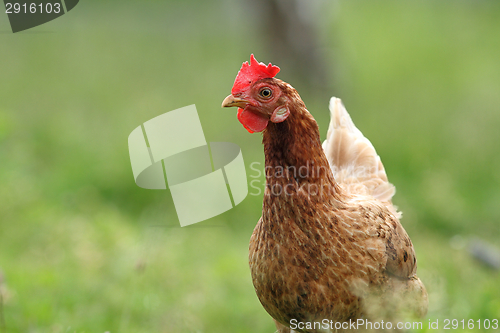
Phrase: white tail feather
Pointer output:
(353, 159)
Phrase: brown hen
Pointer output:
(329, 248)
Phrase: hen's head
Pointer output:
(258, 95)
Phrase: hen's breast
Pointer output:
(313, 268)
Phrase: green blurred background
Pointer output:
(83, 249)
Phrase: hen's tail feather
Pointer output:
(353, 159)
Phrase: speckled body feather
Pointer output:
(329, 244)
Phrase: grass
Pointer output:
(82, 249)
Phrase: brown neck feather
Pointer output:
(296, 166)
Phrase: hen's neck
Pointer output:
(296, 166)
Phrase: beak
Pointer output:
(230, 101)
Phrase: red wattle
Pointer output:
(253, 122)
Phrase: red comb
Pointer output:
(249, 74)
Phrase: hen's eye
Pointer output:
(266, 93)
